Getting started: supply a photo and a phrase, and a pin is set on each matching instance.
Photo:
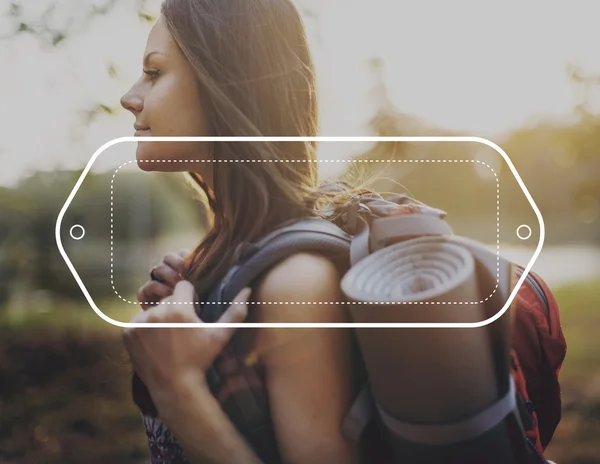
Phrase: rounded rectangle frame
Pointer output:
(368, 139)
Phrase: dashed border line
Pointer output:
(315, 161)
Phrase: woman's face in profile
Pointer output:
(166, 102)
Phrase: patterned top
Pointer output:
(162, 445)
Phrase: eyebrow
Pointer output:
(147, 57)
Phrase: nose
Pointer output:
(132, 100)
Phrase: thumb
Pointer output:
(184, 292)
(235, 314)
(238, 310)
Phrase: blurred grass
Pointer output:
(65, 398)
(65, 389)
(69, 317)
(577, 438)
(580, 317)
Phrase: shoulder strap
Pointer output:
(252, 259)
(308, 234)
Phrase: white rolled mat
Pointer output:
(415, 270)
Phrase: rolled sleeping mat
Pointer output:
(440, 384)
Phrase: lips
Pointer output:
(141, 130)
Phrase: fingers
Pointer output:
(179, 307)
(235, 314)
(172, 268)
(238, 311)
(152, 293)
(184, 292)
(175, 261)
(167, 275)
(129, 333)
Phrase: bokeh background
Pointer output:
(525, 75)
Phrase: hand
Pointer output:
(169, 272)
(168, 359)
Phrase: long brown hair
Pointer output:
(256, 78)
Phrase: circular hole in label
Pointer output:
(75, 227)
(523, 231)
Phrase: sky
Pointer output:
(479, 68)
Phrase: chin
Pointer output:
(146, 160)
(151, 157)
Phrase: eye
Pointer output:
(152, 73)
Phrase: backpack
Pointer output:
(527, 345)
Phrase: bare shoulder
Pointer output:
(303, 288)
(306, 278)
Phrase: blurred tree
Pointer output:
(387, 121)
(28, 214)
(563, 162)
(60, 20)
(584, 85)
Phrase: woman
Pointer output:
(240, 68)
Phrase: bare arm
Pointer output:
(309, 371)
(204, 431)
(172, 362)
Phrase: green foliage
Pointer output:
(146, 17)
(558, 162)
(112, 71)
(580, 318)
(42, 27)
(28, 215)
(575, 440)
(58, 38)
